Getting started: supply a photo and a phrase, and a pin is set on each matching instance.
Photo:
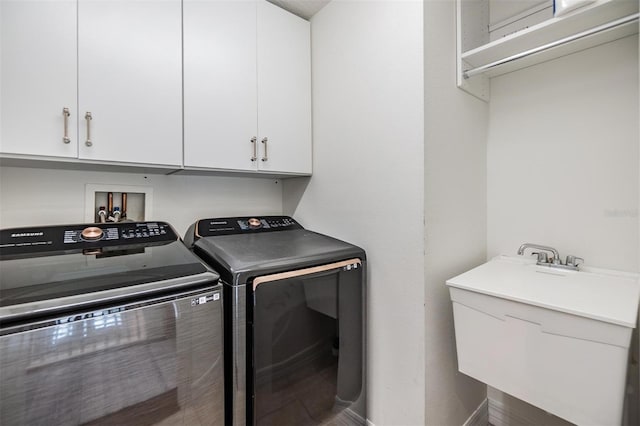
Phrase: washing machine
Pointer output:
(108, 324)
(294, 320)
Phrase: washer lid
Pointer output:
(239, 257)
(60, 262)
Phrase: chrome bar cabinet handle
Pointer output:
(254, 157)
(265, 157)
(65, 115)
(88, 117)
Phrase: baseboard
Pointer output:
(503, 415)
(354, 418)
(480, 417)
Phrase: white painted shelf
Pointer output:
(519, 50)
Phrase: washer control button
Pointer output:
(92, 233)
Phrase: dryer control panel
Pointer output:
(241, 225)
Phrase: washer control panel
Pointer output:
(126, 232)
(83, 236)
(242, 225)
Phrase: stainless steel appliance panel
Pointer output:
(156, 361)
(236, 352)
(307, 339)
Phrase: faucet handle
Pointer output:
(543, 257)
(574, 261)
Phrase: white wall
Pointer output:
(43, 196)
(562, 159)
(367, 187)
(455, 210)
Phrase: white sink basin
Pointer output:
(557, 339)
(605, 295)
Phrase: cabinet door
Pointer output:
(284, 90)
(38, 77)
(220, 104)
(130, 80)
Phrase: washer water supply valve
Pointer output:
(116, 214)
(111, 213)
(102, 214)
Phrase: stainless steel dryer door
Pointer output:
(307, 341)
(157, 361)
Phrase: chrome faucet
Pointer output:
(554, 261)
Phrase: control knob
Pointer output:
(92, 233)
(254, 223)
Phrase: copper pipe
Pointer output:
(124, 204)
(110, 203)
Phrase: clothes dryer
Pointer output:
(294, 320)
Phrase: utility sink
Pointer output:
(558, 339)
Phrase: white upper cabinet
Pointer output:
(102, 81)
(220, 99)
(247, 87)
(130, 81)
(38, 78)
(118, 60)
(284, 90)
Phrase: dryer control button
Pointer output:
(254, 223)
